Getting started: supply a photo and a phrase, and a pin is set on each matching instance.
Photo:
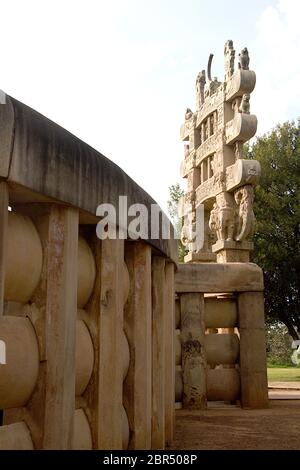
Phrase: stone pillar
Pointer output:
(202, 172)
(137, 324)
(205, 170)
(3, 234)
(193, 353)
(169, 353)
(254, 384)
(158, 353)
(61, 310)
(202, 133)
(91, 316)
(110, 389)
(209, 169)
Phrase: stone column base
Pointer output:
(232, 251)
(204, 257)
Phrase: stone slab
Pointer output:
(216, 278)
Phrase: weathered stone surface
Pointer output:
(253, 350)
(158, 353)
(220, 313)
(76, 303)
(170, 353)
(177, 347)
(61, 311)
(216, 278)
(125, 283)
(49, 412)
(178, 386)
(7, 123)
(223, 385)
(84, 360)
(24, 255)
(137, 388)
(251, 311)
(177, 314)
(253, 358)
(111, 367)
(254, 390)
(3, 238)
(125, 429)
(86, 273)
(193, 351)
(82, 437)
(125, 354)
(200, 257)
(241, 128)
(233, 256)
(222, 349)
(15, 437)
(243, 81)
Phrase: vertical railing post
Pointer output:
(169, 353)
(61, 309)
(110, 353)
(158, 353)
(253, 360)
(137, 324)
(193, 353)
(3, 234)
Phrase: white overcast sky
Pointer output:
(119, 74)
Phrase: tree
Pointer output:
(176, 193)
(277, 210)
(279, 345)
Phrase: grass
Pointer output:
(283, 374)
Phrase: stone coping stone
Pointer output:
(43, 162)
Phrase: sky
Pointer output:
(120, 74)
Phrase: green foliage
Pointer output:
(279, 343)
(283, 374)
(277, 210)
(176, 192)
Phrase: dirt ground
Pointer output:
(230, 428)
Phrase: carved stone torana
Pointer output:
(218, 175)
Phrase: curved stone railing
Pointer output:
(85, 323)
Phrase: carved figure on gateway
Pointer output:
(246, 219)
(222, 218)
